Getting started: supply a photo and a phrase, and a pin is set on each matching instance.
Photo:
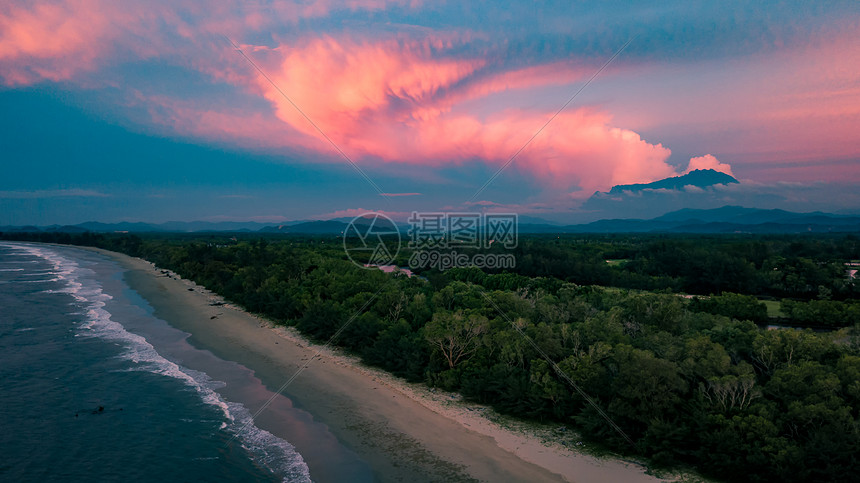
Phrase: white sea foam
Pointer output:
(41, 271)
(274, 453)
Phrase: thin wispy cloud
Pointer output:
(63, 193)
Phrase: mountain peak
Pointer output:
(700, 178)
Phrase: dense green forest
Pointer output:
(689, 381)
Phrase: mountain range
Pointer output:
(701, 188)
(635, 198)
(700, 178)
(727, 219)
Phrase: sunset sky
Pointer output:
(145, 111)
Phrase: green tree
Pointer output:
(455, 335)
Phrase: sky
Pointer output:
(273, 111)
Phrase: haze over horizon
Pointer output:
(125, 111)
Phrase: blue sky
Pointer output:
(144, 112)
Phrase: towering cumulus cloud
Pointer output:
(400, 101)
(388, 91)
(412, 97)
(708, 161)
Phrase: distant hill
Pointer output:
(122, 226)
(621, 226)
(727, 219)
(194, 226)
(318, 227)
(737, 214)
(309, 227)
(751, 216)
(20, 229)
(700, 178)
(702, 188)
(139, 227)
(538, 228)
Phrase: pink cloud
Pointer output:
(708, 161)
(405, 99)
(337, 83)
(59, 40)
(50, 40)
(389, 100)
(489, 81)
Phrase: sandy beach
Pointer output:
(404, 431)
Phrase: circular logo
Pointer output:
(371, 239)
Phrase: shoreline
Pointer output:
(405, 431)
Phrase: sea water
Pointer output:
(85, 398)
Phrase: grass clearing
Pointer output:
(774, 308)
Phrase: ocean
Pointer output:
(93, 387)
